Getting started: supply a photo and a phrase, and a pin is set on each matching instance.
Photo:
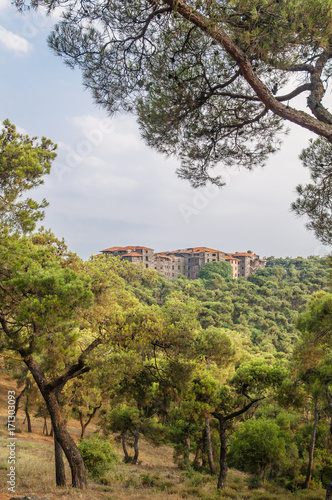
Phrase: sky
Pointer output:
(107, 188)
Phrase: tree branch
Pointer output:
(263, 93)
(76, 369)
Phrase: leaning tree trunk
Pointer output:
(223, 453)
(17, 401)
(209, 446)
(27, 414)
(62, 435)
(312, 448)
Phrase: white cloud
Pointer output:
(4, 4)
(13, 42)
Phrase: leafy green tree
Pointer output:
(313, 356)
(98, 455)
(250, 384)
(85, 400)
(39, 298)
(23, 163)
(211, 269)
(256, 445)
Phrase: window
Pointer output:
(214, 255)
(146, 258)
(179, 268)
(146, 265)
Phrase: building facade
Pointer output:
(249, 263)
(187, 262)
(135, 254)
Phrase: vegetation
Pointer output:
(204, 366)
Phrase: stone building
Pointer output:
(135, 254)
(234, 262)
(249, 263)
(187, 262)
(195, 258)
(170, 265)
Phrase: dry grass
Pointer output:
(155, 477)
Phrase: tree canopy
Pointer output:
(23, 163)
(210, 81)
(315, 199)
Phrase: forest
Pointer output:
(229, 373)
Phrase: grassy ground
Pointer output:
(155, 476)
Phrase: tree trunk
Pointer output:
(83, 426)
(27, 415)
(209, 447)
(223, 453)
(60, 472)
(62, 435)
(45, 429)
(17, 401)
(329, 491)
(136, 438)
(123, 441)
(186, 448)
(198, 451)
(312, 448)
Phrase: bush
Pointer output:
(256, 445)
(98, 455)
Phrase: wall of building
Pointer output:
(187, 262)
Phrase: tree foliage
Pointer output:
(23, 163)
(314, 199)
(211, 269)
(211, 81)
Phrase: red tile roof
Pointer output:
(163, 256)
(112, 249)
(245, 254)
(196, 250)
(137, 247)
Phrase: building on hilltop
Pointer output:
(195, 258)
(187, 262)
(170, 265)
(234, 262)
(137, 255)
(249, 262)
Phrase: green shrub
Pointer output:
(149, 481)
(98, 455)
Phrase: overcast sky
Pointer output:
(107, 188)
